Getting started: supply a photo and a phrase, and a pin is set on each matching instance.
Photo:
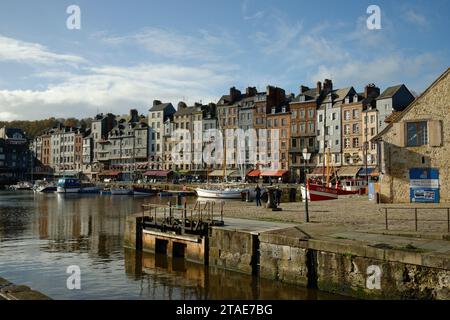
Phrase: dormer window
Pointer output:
(273, 110)
(347, 100)
(302, 99)
(355, 98)
(283, 109)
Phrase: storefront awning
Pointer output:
(372, 172)
(254, 173)
(216, 173)
(157, 173)
(238, 173)
(348, 171)
(109, 173)
(273, 173)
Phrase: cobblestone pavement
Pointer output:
(352, 212)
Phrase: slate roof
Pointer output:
(160, 107)
(338, 95)
(390, 92)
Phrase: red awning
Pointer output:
(157, 173)
(273, 173)
(109, 173)
(254, 173)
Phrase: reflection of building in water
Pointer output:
(163, 277)
(92, 224)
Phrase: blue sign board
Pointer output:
(424, 185)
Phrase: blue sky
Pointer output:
(128, 53)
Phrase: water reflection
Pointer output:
(42, 234)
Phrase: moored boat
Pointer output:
(68, 185)
(87, 187)
(319, 193)
(46, 188)
(145, 191)
(121, 191)
(225, 193)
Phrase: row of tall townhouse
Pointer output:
(60, 149)
(15, 160)
(333, 124)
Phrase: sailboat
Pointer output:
(324, 190)
(222, 191)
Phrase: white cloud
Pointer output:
(115, 89)
(253, 15)
(204, 45)
(32, 53)
(416, 18)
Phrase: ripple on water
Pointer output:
(41, 235)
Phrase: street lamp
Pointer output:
(306, 157)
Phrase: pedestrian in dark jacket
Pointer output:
(277, 196)
(258, 196)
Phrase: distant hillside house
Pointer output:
(415, 149)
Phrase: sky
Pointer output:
(128, 53)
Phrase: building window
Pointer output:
(347, 129)
(355, 143)
(347, 142)
(355, 113)
(311, 113)
(347, 115)
(355, 128)
(417, 133)
(320, 118)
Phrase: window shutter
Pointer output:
(400, 138)
(435, 133)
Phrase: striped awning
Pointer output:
(158, 173)
(273, 173)
(348, 171)
(109, 173)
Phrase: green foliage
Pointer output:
(35, 128)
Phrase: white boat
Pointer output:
(68, 185)
(46, 188)
(226, 193)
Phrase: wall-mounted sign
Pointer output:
(424, 185)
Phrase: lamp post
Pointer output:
(306, 157)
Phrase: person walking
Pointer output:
(258, 196)
(277, 196)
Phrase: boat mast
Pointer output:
(224, 163)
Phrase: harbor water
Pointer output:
(41, 235)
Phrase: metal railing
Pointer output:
(416, 216)
(183, 219)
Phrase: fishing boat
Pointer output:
(68, 185)
(319, 193)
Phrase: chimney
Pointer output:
(156, 102)
(371, 90)
(319, 87)
(327, 86)
(134, 116)
(234, 94)
(303, 89)
(251, 91)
